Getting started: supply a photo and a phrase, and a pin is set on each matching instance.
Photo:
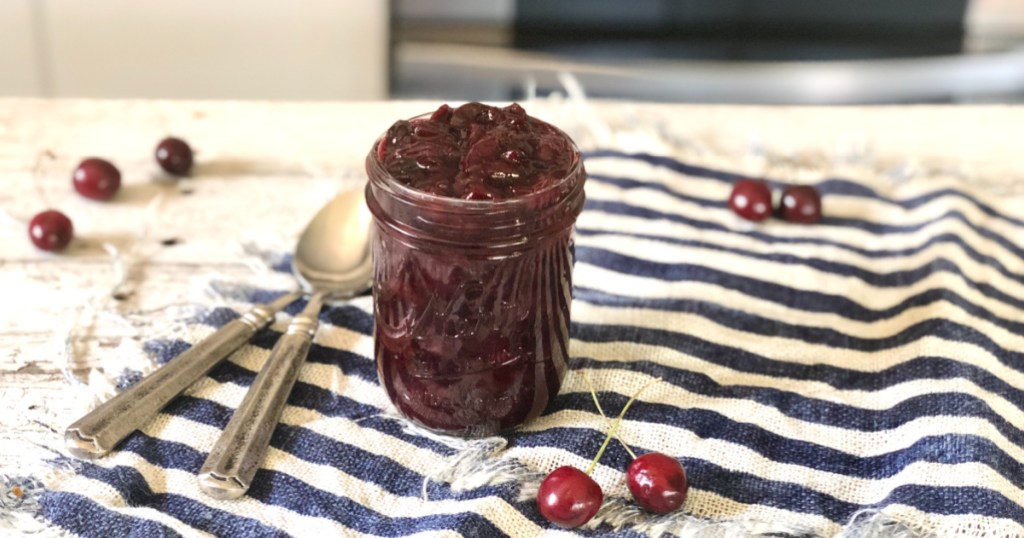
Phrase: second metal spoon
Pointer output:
(332, 261)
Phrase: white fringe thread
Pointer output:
(479, 463)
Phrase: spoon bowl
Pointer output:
(333, 253)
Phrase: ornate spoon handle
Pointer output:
(235, 457)
(100, 430)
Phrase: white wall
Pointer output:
(995, 16)
(19, 73)
(227, 49)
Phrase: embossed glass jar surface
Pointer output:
(471, 301)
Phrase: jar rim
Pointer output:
(408, 192)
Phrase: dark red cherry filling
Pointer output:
(469, 344)
(471, 316)
(476, 152)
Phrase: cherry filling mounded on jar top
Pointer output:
(474, 209)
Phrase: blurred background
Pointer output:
(729, 51)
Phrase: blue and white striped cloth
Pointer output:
(862, 376)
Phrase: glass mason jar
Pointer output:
(471, 301)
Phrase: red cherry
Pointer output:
(801, 203)
(50, 230)
(751, 200)
(97, 179)
(658, 482)
(174, 155)
(568, 497)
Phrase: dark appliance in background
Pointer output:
(728, 51)
(740, 30)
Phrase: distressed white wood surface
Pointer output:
(265, 168)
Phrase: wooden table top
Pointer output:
(264, 169)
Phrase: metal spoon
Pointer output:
(332, 261)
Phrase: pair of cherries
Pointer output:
(98, 179)
(569, 497)
(752, 200)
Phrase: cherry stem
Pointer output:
(607, 421)
(618, 421)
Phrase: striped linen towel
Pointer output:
(859, 377)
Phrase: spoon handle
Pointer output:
(99, 431)
(235, 457)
